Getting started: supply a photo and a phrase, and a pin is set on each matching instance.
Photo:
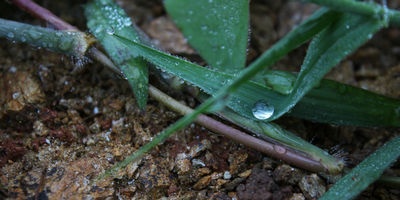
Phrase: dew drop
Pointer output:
(110, 31)
(262, 110)
(98, 29)
(35, 35)
(59, 34)
(10, 35)
(127, 22)
(204, 28)
(65, 44)
(16, 95)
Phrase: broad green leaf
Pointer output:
(365, 173)
(331, 102)
(106, 18)
(218, 29)
(326, 50)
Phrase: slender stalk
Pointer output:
(42, 13)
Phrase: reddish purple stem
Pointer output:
(42, 13)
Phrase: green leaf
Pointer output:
(218, 29)
(365, 173)
(326, 50)
(106, 18)
(331, 102)
(341, 104)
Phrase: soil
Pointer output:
(60, 127)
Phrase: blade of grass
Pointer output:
(161, 137)
(369, 170)
(218, 30)
(105, 18)
(360, 107)
(326, 50)
(318, 21)
(295, 38)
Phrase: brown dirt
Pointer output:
(59, 128)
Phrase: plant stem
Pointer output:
(42, 13)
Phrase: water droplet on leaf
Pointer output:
(10, 35)
(110, 31)
(262, 110)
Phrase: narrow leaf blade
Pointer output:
(365, 173)
(325, 51)
(106, 18)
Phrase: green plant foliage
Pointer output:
(305, 94)
(369, 170)
(331, 102)
(326, 50)
(105, 18)
(218, 29)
